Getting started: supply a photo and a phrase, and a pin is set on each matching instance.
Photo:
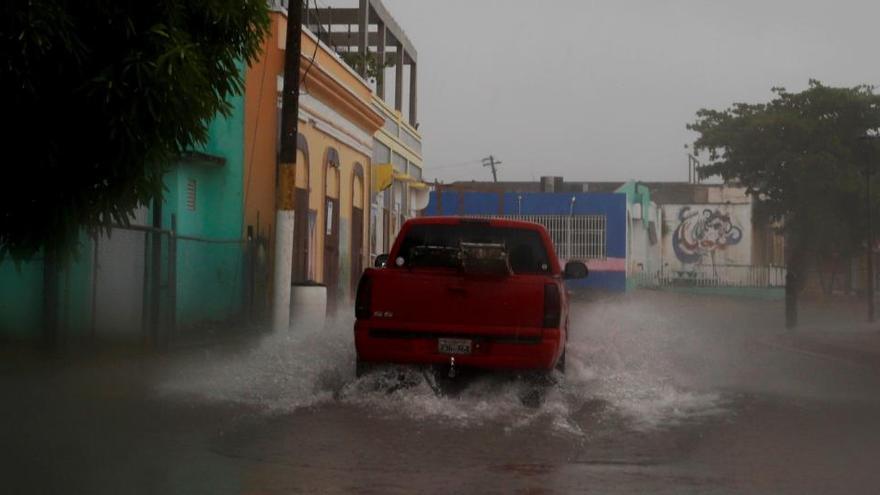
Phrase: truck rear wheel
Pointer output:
(560, 365)
(361, 368)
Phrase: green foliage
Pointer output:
(800, 155)
(357, 61)
(100, 97)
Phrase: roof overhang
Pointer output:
(201, 159)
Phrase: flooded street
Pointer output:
(664, 393)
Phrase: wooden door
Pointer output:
(357, 247)
(331, 252)
(300, 236)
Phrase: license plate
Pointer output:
(454, 346)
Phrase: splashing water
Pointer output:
(623, 362)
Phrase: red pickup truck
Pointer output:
(463, 292)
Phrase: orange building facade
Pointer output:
(330, 185)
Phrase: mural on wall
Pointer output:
(703, 232)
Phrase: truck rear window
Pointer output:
(436, 245)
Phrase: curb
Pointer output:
(819, 355)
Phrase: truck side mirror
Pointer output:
(575, 270)
(380, 261)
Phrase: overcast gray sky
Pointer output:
(602, 90)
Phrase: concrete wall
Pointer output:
(697, 237)
(645, 243)
(644, 222)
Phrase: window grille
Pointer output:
(575, 237)
(191, 190)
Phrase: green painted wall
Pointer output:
(210, 274)
(636, 193)
(21, 296)
(21, 299)
(75, 294)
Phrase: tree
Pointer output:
(801, 157)
(101, 96)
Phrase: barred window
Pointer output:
(575, 237)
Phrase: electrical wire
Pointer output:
(457, 165)
(315, 53)
(256, 127)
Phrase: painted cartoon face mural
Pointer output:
(703, 232)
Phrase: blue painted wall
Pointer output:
(612, 205)
(612, 281)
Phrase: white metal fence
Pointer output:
(575, 237)
(715, 276)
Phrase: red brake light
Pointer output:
(363, 302)
(552, 306)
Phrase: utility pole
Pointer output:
(490, 161)
(869, 249)
(285, 168)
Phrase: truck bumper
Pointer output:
(539, 351)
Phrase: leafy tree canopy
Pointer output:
(802, 157)
(100, 97)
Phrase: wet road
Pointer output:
(663, 393)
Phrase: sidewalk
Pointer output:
(836, 330)
(30, 355)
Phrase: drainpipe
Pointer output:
(568, 230)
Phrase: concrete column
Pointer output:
(398, 78)
(380, 53)
(283, 266)
(413, 102)
(364, 33)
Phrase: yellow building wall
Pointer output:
(318, 145)
(261, 131)
(335, 85)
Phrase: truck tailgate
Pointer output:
(422, 299)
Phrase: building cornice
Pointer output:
(323, 85)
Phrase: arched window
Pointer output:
(358, 220)
(303, 251)
(331, 227)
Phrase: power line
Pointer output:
(314, 54)
(455, 165)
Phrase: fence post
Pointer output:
(172, 279)
(94, 316)
(568, 238)
(250, 277)
(155, 272)
(50, 298)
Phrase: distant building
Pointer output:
(589, 227)
(672, 233)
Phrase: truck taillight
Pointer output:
(552, 306)
(363, 302)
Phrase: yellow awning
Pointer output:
(383, 176)
(403, 177)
